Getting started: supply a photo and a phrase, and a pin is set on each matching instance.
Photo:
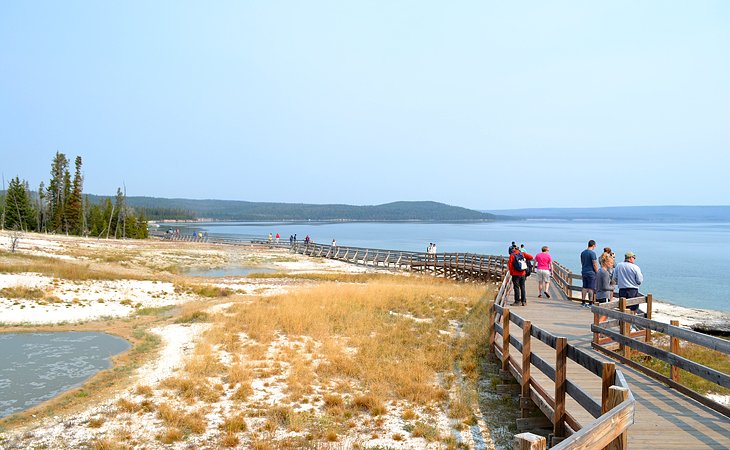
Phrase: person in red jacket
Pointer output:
(518, 276)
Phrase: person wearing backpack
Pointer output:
(517, 265)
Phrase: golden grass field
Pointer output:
(332, 360)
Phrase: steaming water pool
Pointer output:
(35, 367)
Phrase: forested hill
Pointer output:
(258, 211)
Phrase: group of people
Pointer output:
(521, 264)
(431, 249)
(600, 276)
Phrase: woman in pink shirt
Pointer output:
(544, 271)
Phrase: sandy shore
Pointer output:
(74, 301)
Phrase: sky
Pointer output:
(483, 104)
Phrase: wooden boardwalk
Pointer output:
(665, 419)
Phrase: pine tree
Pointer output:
(57, 191)
(19, 213)
(74, 208)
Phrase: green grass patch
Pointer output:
(155, 311)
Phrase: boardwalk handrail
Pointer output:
(613, 416)
(627, 343)
(462, 266)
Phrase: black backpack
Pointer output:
(530, 268)
(519, 263)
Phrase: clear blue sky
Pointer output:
(467, 103)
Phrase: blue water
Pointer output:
(35, 367)
(683, 263)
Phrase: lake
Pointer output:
(681, 262)
(38, 366)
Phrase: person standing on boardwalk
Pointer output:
(629, 277)
(511, 247)
(604, 282)
(544, 271)
(278, 237)
(517, 265)
(588, 270)
(271, 238)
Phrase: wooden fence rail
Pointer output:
(613, 415)
(461, 266)
(628, 342)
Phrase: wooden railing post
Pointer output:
(608, 375)
(649, 301)
(596, 322)
(561, 363)
(492, 331)
(674, 348)
(529, 441)
(625, 329)
(616, 396)
(526, 352)
(505, 339)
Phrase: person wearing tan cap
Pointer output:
(628, 276)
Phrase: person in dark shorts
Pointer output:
(628, 276)
(589, 271)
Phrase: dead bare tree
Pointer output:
(15, 236)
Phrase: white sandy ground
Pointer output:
(88, 300)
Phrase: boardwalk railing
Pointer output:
(460, 266)
(613, 415)
(624, 342)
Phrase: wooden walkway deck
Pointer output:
(665, 419)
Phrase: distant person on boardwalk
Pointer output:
(306, 240)
(511, 247)
(271, 238)
(295, 237)
(291, 239)
(588, 270)
(522, 248)
(277, 238)
(604, 282)
(628, 276)
(544, 271)
(334, 242)
(517, 265)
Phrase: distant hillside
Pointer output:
(634, 213)
(256, 211)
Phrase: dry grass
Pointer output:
(62, 269)
(203, 290)
(27, 293)
(380, 339)
(192, 422)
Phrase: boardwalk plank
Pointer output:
(665, 419)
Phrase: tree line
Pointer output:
(61, 207)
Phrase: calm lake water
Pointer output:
(38, 366)
(681, 262)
